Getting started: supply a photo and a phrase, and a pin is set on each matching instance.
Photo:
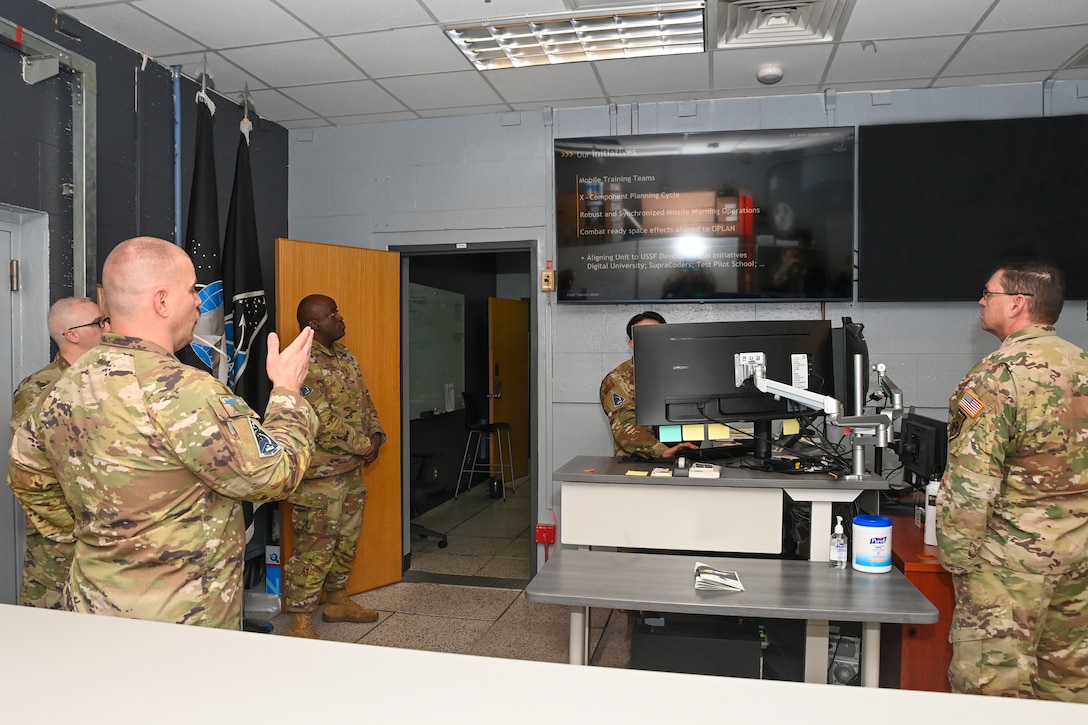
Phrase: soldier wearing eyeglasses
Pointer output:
(1012, 518)
(76, 325)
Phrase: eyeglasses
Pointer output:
(101, 322)
(986, 294)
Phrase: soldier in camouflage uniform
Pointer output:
(153, 456)
(76, 325)
(1013, 504)
(327, 508)
(618, 400)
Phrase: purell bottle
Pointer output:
(837, 553)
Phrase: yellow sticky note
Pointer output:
(791, 427)
(717, 432)
(694, 432)
(633, 472)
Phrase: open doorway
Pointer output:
(486, 534)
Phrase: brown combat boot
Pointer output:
(302, 625)
(341, 609)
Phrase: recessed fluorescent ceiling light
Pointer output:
(548, 39)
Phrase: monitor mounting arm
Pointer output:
(875, 430)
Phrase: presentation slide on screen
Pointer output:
(731, 215)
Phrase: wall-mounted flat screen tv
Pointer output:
(941, 204)
(763, 215)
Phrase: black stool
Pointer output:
(479, 431)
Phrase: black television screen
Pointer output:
(737, 215)
(941, 204)
(685, 372)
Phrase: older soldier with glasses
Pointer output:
(45, 566)
(1012, 509)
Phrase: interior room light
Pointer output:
(668, 29)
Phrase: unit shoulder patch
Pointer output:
(266, 444)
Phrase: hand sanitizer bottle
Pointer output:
(837, 554)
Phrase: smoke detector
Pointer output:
(768, 75)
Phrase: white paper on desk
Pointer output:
(707, 577)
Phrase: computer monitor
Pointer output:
(846, 343)
(923, 448)
(684, 372)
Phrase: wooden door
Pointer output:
(366, 286)
(508, 360)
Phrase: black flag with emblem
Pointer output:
(246, 314)
(207, 350)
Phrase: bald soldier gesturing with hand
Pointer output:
(153, 456)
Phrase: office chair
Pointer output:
(479, 431)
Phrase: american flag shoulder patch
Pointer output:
(971, 405)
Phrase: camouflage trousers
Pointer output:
(45, 571)
(326, 517)
(1016, 634)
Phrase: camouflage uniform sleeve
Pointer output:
(371, 424)
(976, 457)
(35, 485)
(618, 402)
(334, 433)
(24, 397)
(220, 439)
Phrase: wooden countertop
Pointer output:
(909, 551)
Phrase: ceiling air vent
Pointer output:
(747, 23)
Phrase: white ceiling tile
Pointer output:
(736, 67)
(305, 123)
(891, 59)
(273, 104)
(876, 19)
(561, 103)
(382, 55)
(535, 83)
(448, 11)
(219, 24)
(1020, 51)
(462, 111)
(661, 97)
(994, 79)
(66, 4)
(339, 17)
(135, 30)
(441, 91)
(637, 76)
(294, 64)
(345, 99)
(373, 118)
(1020, 15)
(227, 77)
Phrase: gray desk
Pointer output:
(773, 588)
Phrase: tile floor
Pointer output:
(469, 597)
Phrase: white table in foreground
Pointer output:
(773, 588)
(239, 675)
